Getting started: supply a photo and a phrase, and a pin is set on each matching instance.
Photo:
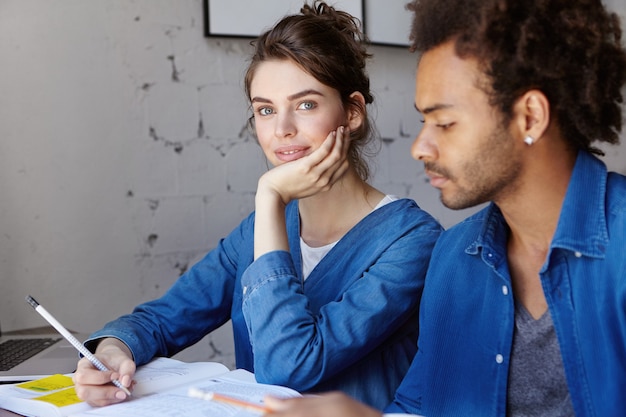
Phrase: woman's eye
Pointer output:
(307, 105)
(265, 111)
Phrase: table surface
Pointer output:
(35, 330)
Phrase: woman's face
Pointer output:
(293, 112)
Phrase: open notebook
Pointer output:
(161, 390)
(32, 356)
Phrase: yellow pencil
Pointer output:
(214, 396)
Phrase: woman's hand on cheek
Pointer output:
(311, 174)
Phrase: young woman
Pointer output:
(323, 281)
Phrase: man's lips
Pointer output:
(436, 180)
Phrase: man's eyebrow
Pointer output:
(295, 96)
(433, 108)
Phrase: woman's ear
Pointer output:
(531, 114)
(356, 111)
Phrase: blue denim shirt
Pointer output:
(352, 325)
(467, 309)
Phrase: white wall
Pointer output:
(123, 153)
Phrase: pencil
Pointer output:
(214, 396)
(70, 338)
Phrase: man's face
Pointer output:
(467, 152)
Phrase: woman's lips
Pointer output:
(290, 153)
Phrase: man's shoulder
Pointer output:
(616, 185)
(465, 233)
(616, 194)
(471, 223)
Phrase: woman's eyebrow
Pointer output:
(260, 100)
(307, 92)
(292, 97)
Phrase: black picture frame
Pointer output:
(384, 22)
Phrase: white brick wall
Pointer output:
(124, 154)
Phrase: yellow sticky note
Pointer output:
(61, 398)
(47, 384)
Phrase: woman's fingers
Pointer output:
(94, 386)
(332, 158)
(311, 174)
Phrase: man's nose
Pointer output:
(424, 146)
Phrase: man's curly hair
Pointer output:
(571, 50)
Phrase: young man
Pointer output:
(524, 308)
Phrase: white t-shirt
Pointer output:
(311, 256)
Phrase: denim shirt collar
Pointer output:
(582, 226)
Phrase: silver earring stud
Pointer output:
(529, 140)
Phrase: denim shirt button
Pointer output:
(245, 290)
(499, 358)
(505, 290)
(578, 254)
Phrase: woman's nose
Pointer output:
(285, 126)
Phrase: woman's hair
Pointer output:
(569, 49)
(329, 45)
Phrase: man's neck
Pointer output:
(532, 213)
(533, 210)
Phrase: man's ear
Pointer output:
(356, 111)
(531, 113)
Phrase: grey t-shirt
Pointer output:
(537, 385)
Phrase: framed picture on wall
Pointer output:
(387, 22)
(249, 18)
